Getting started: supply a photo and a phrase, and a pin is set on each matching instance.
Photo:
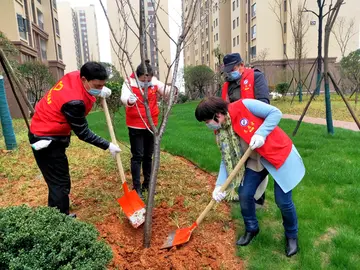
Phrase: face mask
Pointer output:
(233, 76)
(213, 125)
(142, 84)
(93, 91)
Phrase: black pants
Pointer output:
(142, 149)
(54, 166)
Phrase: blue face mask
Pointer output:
(142, 84)
(94, 92)
(213, 126)
(233, 76)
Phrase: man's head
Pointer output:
(233, 62)
(93, 75)
(142, 75)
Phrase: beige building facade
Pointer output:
(33, 27)
(251, 28)
(158, 43)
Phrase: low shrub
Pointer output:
(43, 238)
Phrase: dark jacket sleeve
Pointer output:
(261, 87)
(74, 112)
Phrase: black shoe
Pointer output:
(72, 215)
(139, 192)
(246, 238)
(292, 246)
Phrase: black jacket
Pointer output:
(261, 89)
(74, 112)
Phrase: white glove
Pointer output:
(217, 195)
(105, 92)
(114, 149)
(256, 141)
(132, 99)
(41, 144)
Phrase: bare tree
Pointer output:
(141, 30)
(262, 57)
(343, 32)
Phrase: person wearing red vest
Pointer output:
(241, 82)
(140, 134)
(251, 123)
(64, 109)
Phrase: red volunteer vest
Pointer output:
(48, 119)
(277, 146)
(246, 86)
(136, 112)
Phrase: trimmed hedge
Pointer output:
(43, 238)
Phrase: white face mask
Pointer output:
(213, 125)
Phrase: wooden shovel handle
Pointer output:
(226, 184)
(113, 139)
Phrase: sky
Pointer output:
(104, 35)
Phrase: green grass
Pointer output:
(327, 200)
(317, 107)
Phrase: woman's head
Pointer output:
(142, 75)
(212, 111)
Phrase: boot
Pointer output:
(246, 238)
(292, 246)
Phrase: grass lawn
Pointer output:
(326, 199)
(317, 107)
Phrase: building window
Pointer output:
(285, 5)
(237, 21)
(57, 30)
(284, 28)
(217, 22)
(246, 39)
(39, 1)
(253, 32)
(233, 24)
(40, 19)
(237, 3)
(22, 26)
(234, 42)
(207, 44)
(43, 49)
(233, 5)
(237, 40)
(60, 52)
(33, 10)
(253, 10)
(253, 52)
(54, 4)
(246, 18)
(285, 48)
(217, 36)
(207, 57)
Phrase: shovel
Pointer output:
(182, 236)
(130, 202)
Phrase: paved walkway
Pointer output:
(322, 121)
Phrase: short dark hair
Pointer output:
(141, 71)
(208, 107)
(93, 71)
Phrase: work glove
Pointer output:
(40, 144)
(256, 141)
(217, 195)
(114, 149)
(132, 99)
(105, 92)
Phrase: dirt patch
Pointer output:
(326, 237)
(183, 191)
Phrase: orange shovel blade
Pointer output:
(133, 207)
(179, 237)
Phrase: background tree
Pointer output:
(343, 31)
(198, 80)
(38, 79)
(262, 57)
(350, 66)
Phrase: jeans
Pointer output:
(142, 149)
(283, 200)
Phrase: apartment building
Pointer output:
(251, 28)
(33, 27)
(79, 28)
(158, 43)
